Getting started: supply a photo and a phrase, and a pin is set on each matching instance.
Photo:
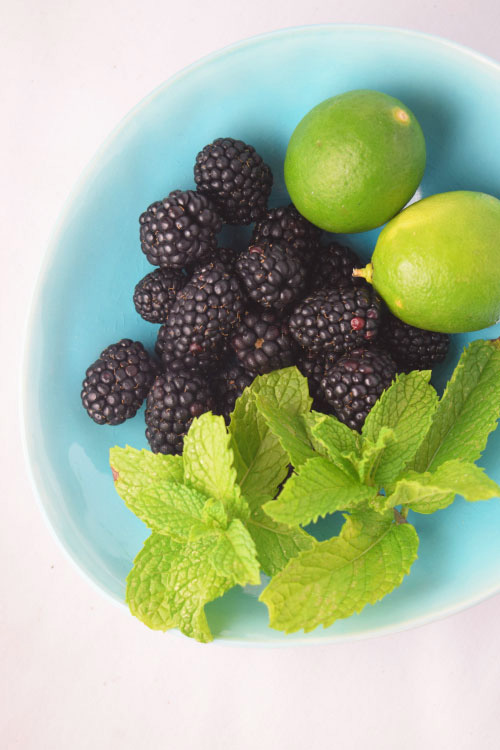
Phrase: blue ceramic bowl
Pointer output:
(257, 91)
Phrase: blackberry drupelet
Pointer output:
(355, 382)
(225, 255)
(236, 178)
(273, 276)
(285, 227)
(331, 266)
(412, 348)
(172, 403)
(202, 318)
(336, 320)
(228, 384)
(179, 230)
(156, 292)
(117, 383)
(262, 343)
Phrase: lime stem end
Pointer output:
(365, 273)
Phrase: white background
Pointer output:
(78, 672)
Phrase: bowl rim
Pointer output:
(49, 253)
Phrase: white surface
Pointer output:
(78, 672)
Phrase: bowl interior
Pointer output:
(256, 91)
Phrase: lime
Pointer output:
(437, 264)
(354, 161)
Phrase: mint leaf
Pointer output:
(338, 577)
(337, 440)
(406, 407)
(133, 470)
(209, 461)
(276, 543)
(234, 556)
(319, 488)
(171, 508)
(214, 514)
(435, 490)
(170, 584)
(290, 429)
(260, 461)
(368, 464)
(468, 410)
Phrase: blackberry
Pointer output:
(172, 403)
(314, 368)
(156, 292)
(285, 227)
(412, 348)
(336, 320)
(179, 230)
(332, 266)
(273, 276)
(355, 382)
(228, 384)
(262, 343)
(202, 317)
(117, 383)
(236, 178)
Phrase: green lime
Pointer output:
(354, 161)
(437, 264)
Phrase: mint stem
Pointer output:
(399, 517)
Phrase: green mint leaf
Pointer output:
(368, 464)
(435, 490)
(335, 440)
(170, 584)
(260, 461)
(468, 410)
(338, 577)
(215, 514)
(290, 429)
(171, 508)
(133, 470)
(406, 407)
(209, 461)
(276, 543)
(319, 488)
(234, 555)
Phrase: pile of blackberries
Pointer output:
(227, 315)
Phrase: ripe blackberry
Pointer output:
(273, 276)
(235, 177)
(156, 292)
(285, 227)
(262, 343)
(314, 368)
(355, 382)
(412, 348)
(172, 403)
(336, 320)
(202, 317)
(228, 384)
(332, 266)
(117, 383)
(179, 230)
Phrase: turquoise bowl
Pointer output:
(256, 90)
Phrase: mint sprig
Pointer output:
(415, 452)
(225, 510)
(209, 530)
